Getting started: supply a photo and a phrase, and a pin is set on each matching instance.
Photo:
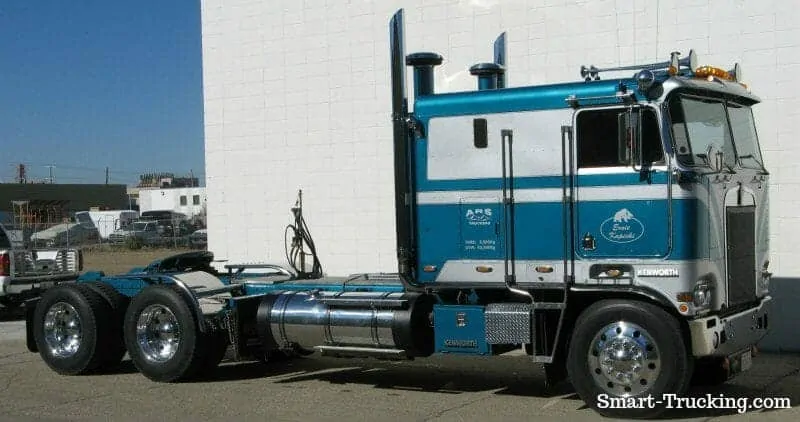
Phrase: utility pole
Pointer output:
(21, 177)
(106, 174)
(52, 178)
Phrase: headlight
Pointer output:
(702, 296)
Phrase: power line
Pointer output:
(99, 169)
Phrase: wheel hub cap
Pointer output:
(62, 330)
(158, 333)
(624, 359)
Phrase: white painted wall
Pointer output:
(297, 95)
(170, 199)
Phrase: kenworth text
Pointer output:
(614, 229)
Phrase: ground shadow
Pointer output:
(467, 375)
(514, 376)
(429, 376)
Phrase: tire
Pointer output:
(185, 356)
(652, 339)
(118, 302)
(87, 313)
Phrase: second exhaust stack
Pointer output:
(423, 64)
(489, 74)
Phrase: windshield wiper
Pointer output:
(753, 157)
(728, 168)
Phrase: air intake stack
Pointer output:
(423, 64)
(488, 75)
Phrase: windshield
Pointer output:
(744, 135)
(140, 226)
(82, 217)
(703, 125)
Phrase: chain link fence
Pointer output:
(109, 231)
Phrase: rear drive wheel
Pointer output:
(70, 328)
(162, 336)
(627, 349)
(116, 342)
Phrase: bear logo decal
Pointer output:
(623, 216)
(622, 227)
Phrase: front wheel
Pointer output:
(623, 350)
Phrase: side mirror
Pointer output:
(712, 158)
(629, 138)
(718, 161)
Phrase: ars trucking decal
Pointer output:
(622, 227)
(479, 216)
(481, 231)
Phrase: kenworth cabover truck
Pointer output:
(614, 229)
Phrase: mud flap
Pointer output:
(30, 308)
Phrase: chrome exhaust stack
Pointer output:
(403, 182)
(501, 59)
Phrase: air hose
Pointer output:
(301, 238)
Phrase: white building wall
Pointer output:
(297, 95)
(172, 199)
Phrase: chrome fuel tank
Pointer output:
(398, 322)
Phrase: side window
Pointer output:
(652, 149)
(599, 144)
(183, 199)
(5, 242)
(480, 131)
(597, 135)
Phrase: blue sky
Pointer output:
(86, 84)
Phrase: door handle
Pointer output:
(588, 242)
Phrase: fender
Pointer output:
(643, 291)
(30, 309)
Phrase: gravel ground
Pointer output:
(442, 388)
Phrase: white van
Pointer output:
(107, 221)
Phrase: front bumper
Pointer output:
(714, 336)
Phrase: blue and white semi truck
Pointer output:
(614, 229)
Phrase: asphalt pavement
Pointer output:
(441, 388)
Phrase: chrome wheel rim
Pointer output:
(62, 330)
(158, 333)
(624, 360)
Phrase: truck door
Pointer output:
(621, 202)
